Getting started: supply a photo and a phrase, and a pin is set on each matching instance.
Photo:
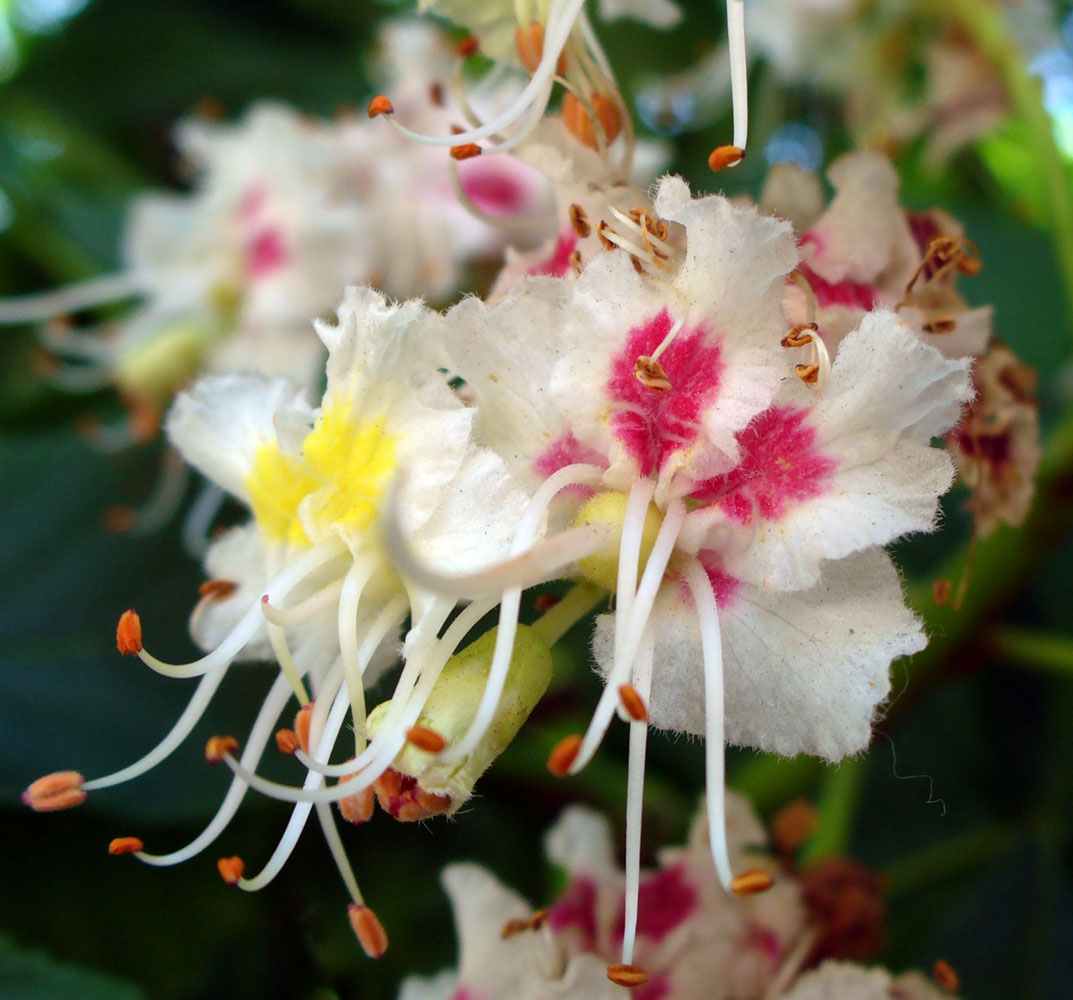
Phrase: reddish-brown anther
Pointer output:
(217, 590)
(563, 754)
(425, 739)
(403, 799)
(634, 704)
(59, 790)
(466, 151)
(287, 741)
(793, 824)
(629, 976)
(128, 633)
(368, 930)
(725, 156)
(231, 869)
(580, 124)
(357, 808)
(217, 747)
(301, 725)
(946, 977)
(380, 105)
(468, 47)
(751, 882)
(124, 845)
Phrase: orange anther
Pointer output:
(941, 591)
(436, 94)
(512, 927)
(809, 374)
(579, 221)
(128, 633)
(538, 920)
(634, 704)
(799, 335)
(466, 151)
(287, 741)
(943, 974)
(124, 845)
(467, 47)
(380, 105)
(545, 602)
(627, 975)
(119, 519)
(793, 824)
(357, 808)
(425, 739)
(751, 882)
(529, 42)
(301, 725)
(580, 124)
(563, 754)
(217, 590)
(218, 747)
(650, 373)
(725, 156)
(941, 324)
(60, 790)
(231, 869)
(368, 930)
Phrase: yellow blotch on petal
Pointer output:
(344, 468)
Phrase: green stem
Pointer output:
(561, 617)
(1051, 654)
(840, 792)
(986, 23)
(961, 853)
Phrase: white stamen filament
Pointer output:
(276, 698)
(570, 475)
(537, 92)
(79, 378)
(82, 295)
(638, 230)
(667, 341)
(349, 599)
(300, 814)
(338, 852)
(251, 622)
(327, 596)
(651, 580)
(203, 693)
(197, 525)
(714, 753)
(277, 638)
(629, 557)
(167, 496)
(739, 71)
(544, 561)
(635, 790)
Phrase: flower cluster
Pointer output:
(708, 419)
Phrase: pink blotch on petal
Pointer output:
(664, 900)
(780, 467)
(657, 988)
(252, 202)
(653, 425)
(492, 188)
(764, 941)
(576, 909)
(851, 294)
(558, 264)
(563, 451)
(265, 253)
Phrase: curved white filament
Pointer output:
(83, 295)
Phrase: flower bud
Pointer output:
(451, 708)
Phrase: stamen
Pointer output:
(302, 722)
(218, 747)
(799, 335)
(627, 975)
(466, 151)
(513, 927)
(739, 72)
(941, 324)
(61, 790)
(633, 703)
(124, 845)
(368, 930)
(700, 586)
(425, 739)
(231, 869)
(941, 591)
(751, 882)
(809, 374)
(810, 298)
(304, 610)
(191, 714)
(250, 623)
(357, 808)
(215, 590)
(595, 124)
(563, 754)
(128, 635)
(669, 339)
(579, 221)
(276, 698)
(651, 374)
(467, 48)
(723, 157)
(529, 43)
(287, 741)
(338, 853)
(380, 105)
(534, 97)
(277, 638)
(946, 977)
(73, 298)
(198, 522)
(347, 624)
(637, 617)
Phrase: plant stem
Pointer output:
(840, 792)
(561, 617)
(948, 859)
(1051, 654)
